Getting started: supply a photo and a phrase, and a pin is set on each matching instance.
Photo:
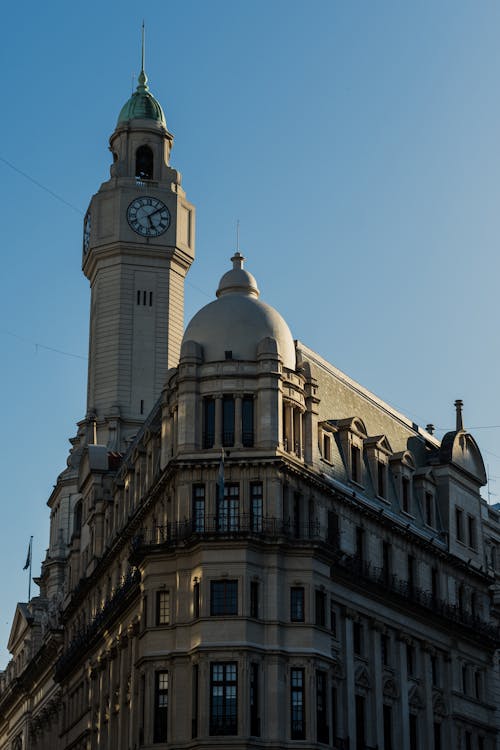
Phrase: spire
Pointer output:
(143, 79)
(458, 406)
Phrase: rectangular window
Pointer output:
(199, 508)
(327, 448)
(228, 509)
(208, 422)
(357, 638)
(298, 719)
(254, 599)
(333, 620)
(333, 528)
(161, 707)
(477, 685)
(196, 600)
(297, 604)
(223, 597)
(321, 708)
(413, 732)
(320, 608)
(405, 486)
(254, 701)
(459, 524)
(471, 527)
(360, 722)
(468, 740)
(355, 464)
(247, 429)
(163, 607)
(388, 745)
(195, 683)
(334, 713)
(434, 670)
(256, 502)
(381, 478)
(480, 743)
(429, 509)
(223, 698)
(227, 421)
(437, 736)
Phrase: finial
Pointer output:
(430, 428)
(237, 261)
(458, 406)
(237, 235)
(143, 79)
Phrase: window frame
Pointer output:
(297, 704)
(297, 604)
(228, 602)
(163, 607)
(228, 714)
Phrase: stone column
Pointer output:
(404, 719)
(349, 676)
(428, 722)
(377, 725)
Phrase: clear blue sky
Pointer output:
(358, 144)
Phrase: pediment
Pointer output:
(378, 442)
(405, 458)
(351, 424)
(20, 625)
(362, 677)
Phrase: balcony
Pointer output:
(369, 576)
(224, 526)
(78, 648)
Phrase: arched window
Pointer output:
(144, 163)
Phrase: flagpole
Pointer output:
(31, 558)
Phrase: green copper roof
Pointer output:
(142, 104)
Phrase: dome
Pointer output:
(142, 105)
(237, 321)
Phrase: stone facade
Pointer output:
(247, 548)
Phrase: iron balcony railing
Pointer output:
(226, 524)
(365, 572)
(83, 639)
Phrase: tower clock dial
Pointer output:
(147, 216)
(86, 232)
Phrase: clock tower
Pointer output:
(138, 244)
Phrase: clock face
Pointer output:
(147, 216)
(86, 232)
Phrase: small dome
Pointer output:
(238, 321)
(142, 105)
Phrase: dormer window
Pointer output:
(355, 464)
(144, 163)
(378, 451)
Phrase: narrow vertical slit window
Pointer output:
(247, 424)
(161, 707)
(199, 508)
(256, 520)
(208, 422)
(254, 700)
(195, 689)
(228, 421)
(323, 734)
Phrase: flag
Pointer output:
(220, 478)
(28, 557)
